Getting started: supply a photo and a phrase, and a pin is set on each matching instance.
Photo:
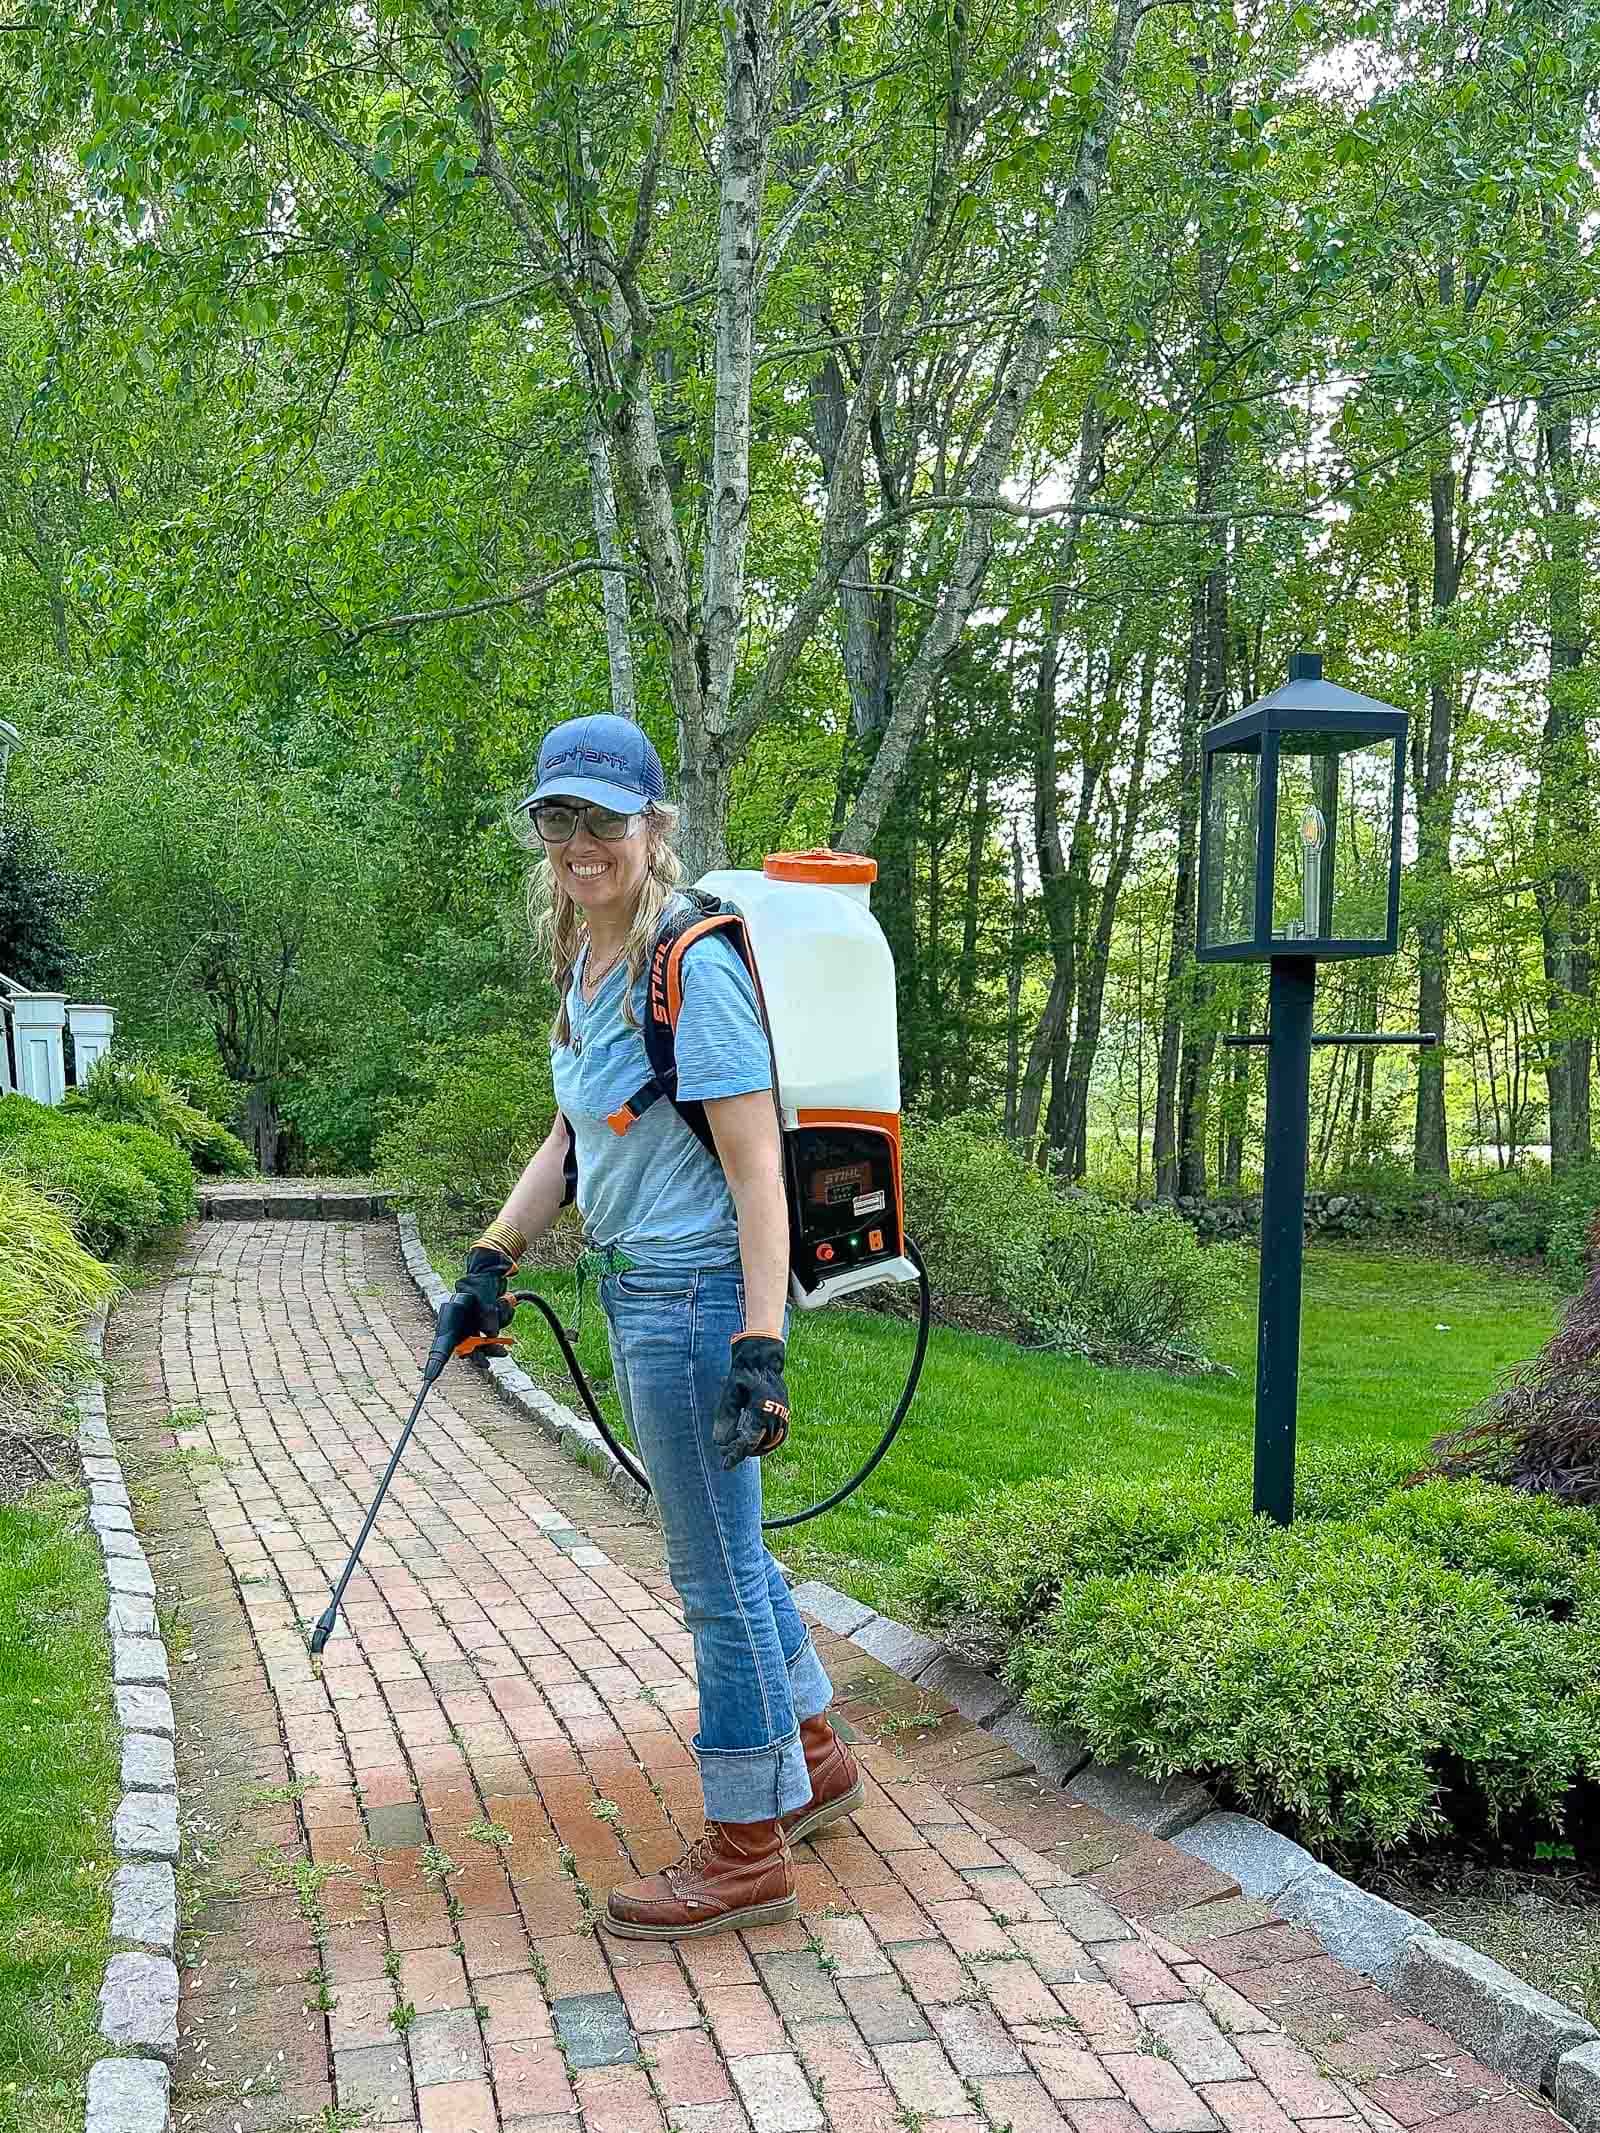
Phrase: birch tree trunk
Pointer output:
(1435, 821)
(1180, 944)
(1035, 343)
(1565, 813)
(613, 581)
(1074, 1134)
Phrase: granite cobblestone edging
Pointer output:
(1545, 2047)
(131, 2093)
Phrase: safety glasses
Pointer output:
(556, 822)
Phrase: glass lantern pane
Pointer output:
(1330, 877)
(1228, 892)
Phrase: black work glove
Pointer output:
(478, 1304)
(753, 1413)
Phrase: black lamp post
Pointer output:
(1299, 864)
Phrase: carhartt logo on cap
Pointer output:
(581, 754)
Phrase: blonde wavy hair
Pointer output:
(562, 932)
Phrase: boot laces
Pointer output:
(696, 1859)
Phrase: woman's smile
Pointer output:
(601, 877)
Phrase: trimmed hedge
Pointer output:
(988, 1576)
(168, 1169)
(1340, 1684)
(1403, 1660)
(119, 1188)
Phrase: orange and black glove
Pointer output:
(753, 1413)
(478, 1306)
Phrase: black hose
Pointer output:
(630, 1466)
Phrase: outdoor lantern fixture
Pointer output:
(1300, 825)
(1300, 815)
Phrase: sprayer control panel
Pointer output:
(844, 1201)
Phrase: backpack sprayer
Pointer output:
(824, 977)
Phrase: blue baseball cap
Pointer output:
(603, 759)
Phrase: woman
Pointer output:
(696, 1253)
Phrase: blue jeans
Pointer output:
(757, 1669)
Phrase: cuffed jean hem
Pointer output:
(754, 1784)
(759, 1784)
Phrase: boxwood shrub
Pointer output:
(1545, 1555)
(168, 1169)
(1339, 1684)
(1403, 1659)
(116, 1187)
(985, 1578)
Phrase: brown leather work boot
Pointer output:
(738, 1874)
(836, 1788)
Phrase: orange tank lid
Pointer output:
(834, 870)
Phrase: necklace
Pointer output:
(592, 980)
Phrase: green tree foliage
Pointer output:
(325, 354)
(41, 903)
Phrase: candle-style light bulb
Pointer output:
(1313, 840)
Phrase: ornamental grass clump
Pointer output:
(127, 1090)
(48, 1284)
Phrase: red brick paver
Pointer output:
(498, 1733)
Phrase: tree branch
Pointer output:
(308, 114)
(650, 168)
(584, 567)
(472, 306)
(814, 601)
(747, 115)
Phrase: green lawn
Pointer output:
(1395, 1349)
(58, 1788)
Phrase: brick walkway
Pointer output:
(391, 1924)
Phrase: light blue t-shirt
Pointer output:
(654, 1191)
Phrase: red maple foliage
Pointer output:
(1541, 1431)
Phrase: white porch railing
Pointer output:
(33, 1057)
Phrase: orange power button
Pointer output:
(824, 1253)
(874, 1240)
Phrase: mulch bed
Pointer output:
(33, 1457)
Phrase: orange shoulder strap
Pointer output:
(720, 922)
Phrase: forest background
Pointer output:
(924, 419)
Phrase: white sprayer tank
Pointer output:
(827, 977)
